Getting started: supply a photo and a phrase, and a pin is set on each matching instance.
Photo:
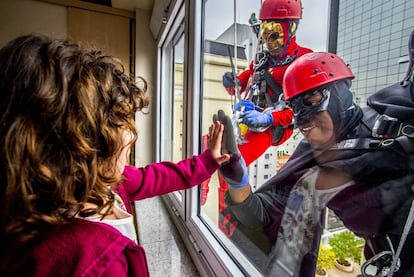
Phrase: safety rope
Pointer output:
(406, 230)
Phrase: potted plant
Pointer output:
(326, 260)
(345, 245)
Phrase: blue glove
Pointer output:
(228, 80)
(247, 105)
(256, 119)
(234, 171)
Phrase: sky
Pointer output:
(312, 30)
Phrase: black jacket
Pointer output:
(375, 206)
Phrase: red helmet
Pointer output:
(313, 70)
(281, 9)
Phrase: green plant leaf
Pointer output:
(346, 245)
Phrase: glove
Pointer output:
(234, 171)
(256, 119)
(228, 80)
(247, 105)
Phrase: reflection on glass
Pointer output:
(282, 228)
(220, 38)
(178, 102)
(229, 46)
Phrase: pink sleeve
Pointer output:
(118, 267)
(164, 177)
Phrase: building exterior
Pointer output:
(372, 36)
(263, 168)
(245, 38)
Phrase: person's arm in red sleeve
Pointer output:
(164, 177)
(287, 133)
(257, 143)
(283, 117)
(243, 78)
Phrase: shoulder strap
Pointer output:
(276, 88)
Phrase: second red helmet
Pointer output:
(281, 9)
(313, 70)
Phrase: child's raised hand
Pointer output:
(214, 141)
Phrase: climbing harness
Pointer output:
(391, 128)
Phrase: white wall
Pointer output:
(145, 66)
(18, 17)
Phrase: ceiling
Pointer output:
(131, 5)
(159, 10)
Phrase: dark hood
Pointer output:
(345, 113)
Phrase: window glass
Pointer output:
(229, 41)
(230, 44)
(177, 103)
(172, 99)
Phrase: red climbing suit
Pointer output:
(258, 143)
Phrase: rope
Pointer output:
(407, 227)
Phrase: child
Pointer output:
(67, 124)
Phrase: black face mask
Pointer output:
(308, 104)
(336, 99)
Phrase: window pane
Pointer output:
(363, 48)
(172, 99)
(221, 30)
(178, 104)
(230, 44)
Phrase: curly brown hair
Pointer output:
(61, 109)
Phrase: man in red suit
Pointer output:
(260, 84)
